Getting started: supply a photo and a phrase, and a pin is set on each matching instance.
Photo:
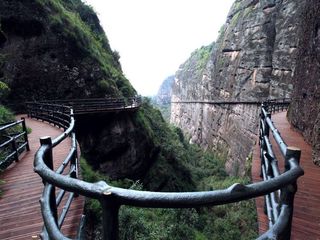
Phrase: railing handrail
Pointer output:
(10, 124)
(94, 105)
(16, 149)
(234, 101)
(112, 197)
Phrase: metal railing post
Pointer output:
(48, 160)
(267, 128)
(24, 128)
(110, 217)
(288, 192)
(262, 132)
(15, 149)
(74, 159)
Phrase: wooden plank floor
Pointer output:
(20, 216)
(306, 216)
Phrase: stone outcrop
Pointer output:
(164, 94)
(304, 111)
(252, 60)
(120, 150)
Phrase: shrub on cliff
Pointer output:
(4, 91)
(5, 115)
(78, 22)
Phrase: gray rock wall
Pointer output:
(253, 59)
(304, 111)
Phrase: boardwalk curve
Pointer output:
(306, 215)
(20, 214)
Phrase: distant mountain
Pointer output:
(162, 100)
(165, 91)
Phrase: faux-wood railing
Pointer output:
(278, 188)
(14, 140)
(98, 105)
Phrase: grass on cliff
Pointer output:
(178, 167)
(73, 20)
(199, 58)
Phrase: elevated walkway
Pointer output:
(306, 215)
(20, 213)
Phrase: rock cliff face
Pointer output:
(53, 49)
(120, 150)
(304, 111)
(253, 59)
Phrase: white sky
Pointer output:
(154, 37)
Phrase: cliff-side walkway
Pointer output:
(306, 216)
(20, 214)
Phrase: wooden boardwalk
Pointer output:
(306, 216)
(20, 215)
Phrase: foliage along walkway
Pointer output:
(20, 214)
(306, 215)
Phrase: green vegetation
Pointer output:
(236, 6)
(235, 20)
(201, 56)
(247, 11)
(165, 110)
(179, 166)
(77, 23)
(204, 55)
(5, 116)
(222, 31)
(4, 91)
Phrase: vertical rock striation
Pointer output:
(253, 59)
(304, 111)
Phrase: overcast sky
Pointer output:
(154, 37)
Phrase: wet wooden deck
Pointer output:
(306, 216)
(20, 216)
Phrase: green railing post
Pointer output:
(48, 160)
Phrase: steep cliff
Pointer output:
(56, 49)
(253, 59)
(304, 111)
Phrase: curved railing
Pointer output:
(99, 105)
(279, 188)
(13, 141)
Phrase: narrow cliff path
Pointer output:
(20, 215)
(306, 215)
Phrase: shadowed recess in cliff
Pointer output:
(22, 27)
(3, 38)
